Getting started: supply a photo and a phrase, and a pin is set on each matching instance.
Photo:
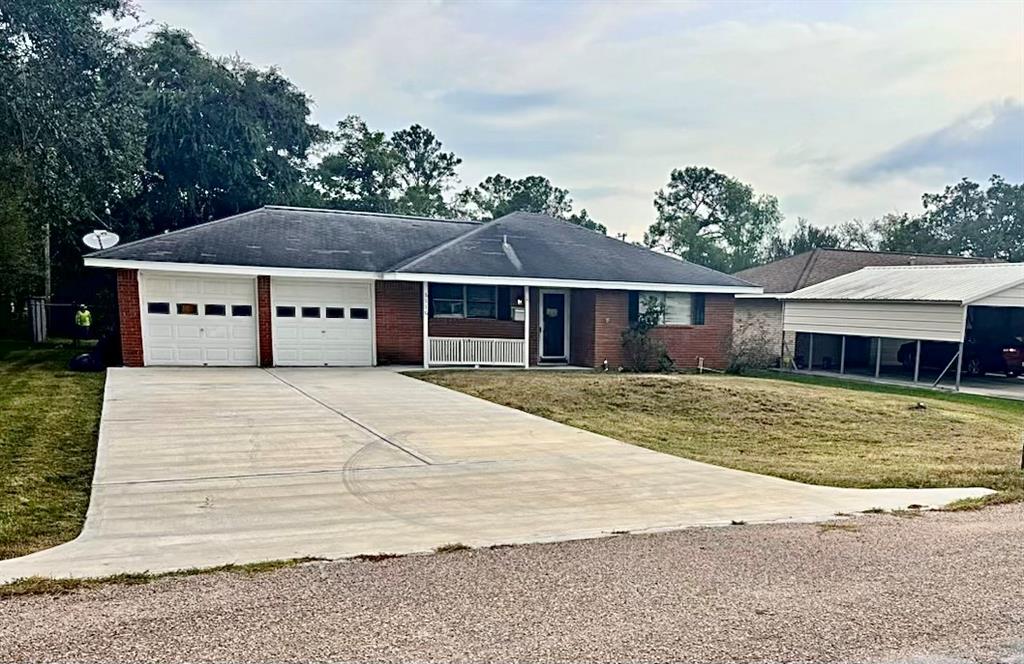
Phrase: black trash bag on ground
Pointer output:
(86, 362)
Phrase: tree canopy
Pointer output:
(98, 131)
(712, 219)
(499, 195)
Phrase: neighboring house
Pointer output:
(760, 315)
(940, 318)
(283, 286)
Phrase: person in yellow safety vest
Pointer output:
(83, 321)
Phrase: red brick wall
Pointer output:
(399, 322)
(686, 343)
(266, 337)
(476, 327)
(611, 317)
(130, 317)
(581, 328)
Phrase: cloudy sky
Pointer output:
(841, 110)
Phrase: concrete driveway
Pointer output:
(203, 467)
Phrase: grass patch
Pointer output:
(807, 430)
(49, 418)
(451, 548)
(39, 585)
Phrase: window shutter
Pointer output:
(697, 309)
(634, 307)
(504, 303)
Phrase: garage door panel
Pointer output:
(318, 340)
(212, 336)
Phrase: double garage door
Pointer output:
(212, 321)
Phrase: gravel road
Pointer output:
(942, 587)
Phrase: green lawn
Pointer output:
(49, 419)
(835, 435)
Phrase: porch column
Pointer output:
(426, 325)
(842, 356)
(878, 358)
(959, 364)
(917, 361)
(810, 352)
(526, 327)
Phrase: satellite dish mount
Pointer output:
(101, 239)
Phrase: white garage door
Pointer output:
(322, 323)
(198, 321)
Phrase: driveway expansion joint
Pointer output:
(370, 430)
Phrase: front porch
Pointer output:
(436, 325)
(474, 325)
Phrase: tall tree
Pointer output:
(362, 172)
(804, 237)
(966, 219)
(499, 195)
(425, 172)
(222, 137)
(406, 173)
(712, 219)
(70, 131)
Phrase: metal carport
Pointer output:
(916, 303)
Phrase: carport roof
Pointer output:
(960, 284)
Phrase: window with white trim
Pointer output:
(680, 308)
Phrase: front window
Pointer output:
(458, 301)
(481, 301)
(680, 308)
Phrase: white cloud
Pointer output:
(606, 98)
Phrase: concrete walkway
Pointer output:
(204, 467)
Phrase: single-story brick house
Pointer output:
(282, 286)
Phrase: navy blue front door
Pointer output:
(553, 315)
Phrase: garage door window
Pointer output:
(286, 312)
(311, 312)
(159, 307)
(241, 310)
(358, 313)
(334, 312)
(188, 309)
(215, 310)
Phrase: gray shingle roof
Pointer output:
(524, 244)
(521, 245)
(296, 238)
(813, 267)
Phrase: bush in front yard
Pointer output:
(643, 352)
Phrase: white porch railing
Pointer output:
(472, 351)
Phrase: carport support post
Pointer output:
(917, 361)
(526, 327)
(426, 325)
(878, 358)
(959, 364)
(842, 355)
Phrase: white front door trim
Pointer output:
(567, 314)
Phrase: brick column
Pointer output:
(399, 330)
(130, 317)
(266, 336)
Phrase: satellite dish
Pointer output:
(101, 239)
